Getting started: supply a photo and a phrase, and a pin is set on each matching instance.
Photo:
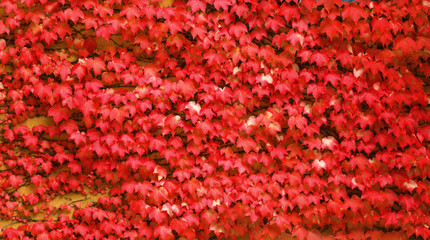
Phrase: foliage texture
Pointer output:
(216, 118)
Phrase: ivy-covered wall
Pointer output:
(214, 119)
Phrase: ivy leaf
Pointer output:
(79, 70)
(224, 4)
(197, 5)
(214, 57)
(78, 137)
(129, 187)
(97, 65)
(15, 181)
(355, 12)
(319, 58)
(133, 163)
(130, 12)
(158, 216)
(179, 225)
(9, 6)
(406, 45)
(238, 29)
(164, 232)
(240, 9)
(105, 32)
(90, 44)
(423, 133)
(246, 143)
(145, 231)
(289, 12)
(74, 167)
(274, 23)
(333, 78)
(49, 37)
(93, 86)
(300, 233)
(309, 4)
(298, 121)
(242, 94)
(30, 140)
(360, 161)
(181, 175)
(58, 113)
(82, 229)
(73, 14)
(141, 187)
(332, 28)
(295, 37)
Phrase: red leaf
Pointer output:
(408, 202)
(118, 114)
(246, 143)
(424, 232)
(354, 11)
(90, 44)
(164, 232)
(79, 70)
(97, 65)
(78, 138)
(197, 5)
(179, 225)
(129, 187)
(157, 143)
(130, 12)
(319, 58)
(238, 29)
(423, 133)
(105, 32)
(133, 163)
(158, 216)
(295, 37)
(58, 113)
(47, 167)
(15, 181)
(75, 167)
(30, 140)
(298, 121)
(224, 4)
(181, 175)
(9, 6)
(93, 86)
(243, 94)
(406, 45)
(309, 4)
(332, 28)
(300, 233)
(274, 23)
(90, 22)
(214, 57)
(82, 229)
(159, 195)
(391, 219)
(289, 12)
(49, 37)
(348, 80)
(240, 9)
(360, 161)
(332, 77)
(355, 203)
(145, 231)
(142, 187)
(188, 88)
(73, 14)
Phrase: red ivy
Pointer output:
(203, 119)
